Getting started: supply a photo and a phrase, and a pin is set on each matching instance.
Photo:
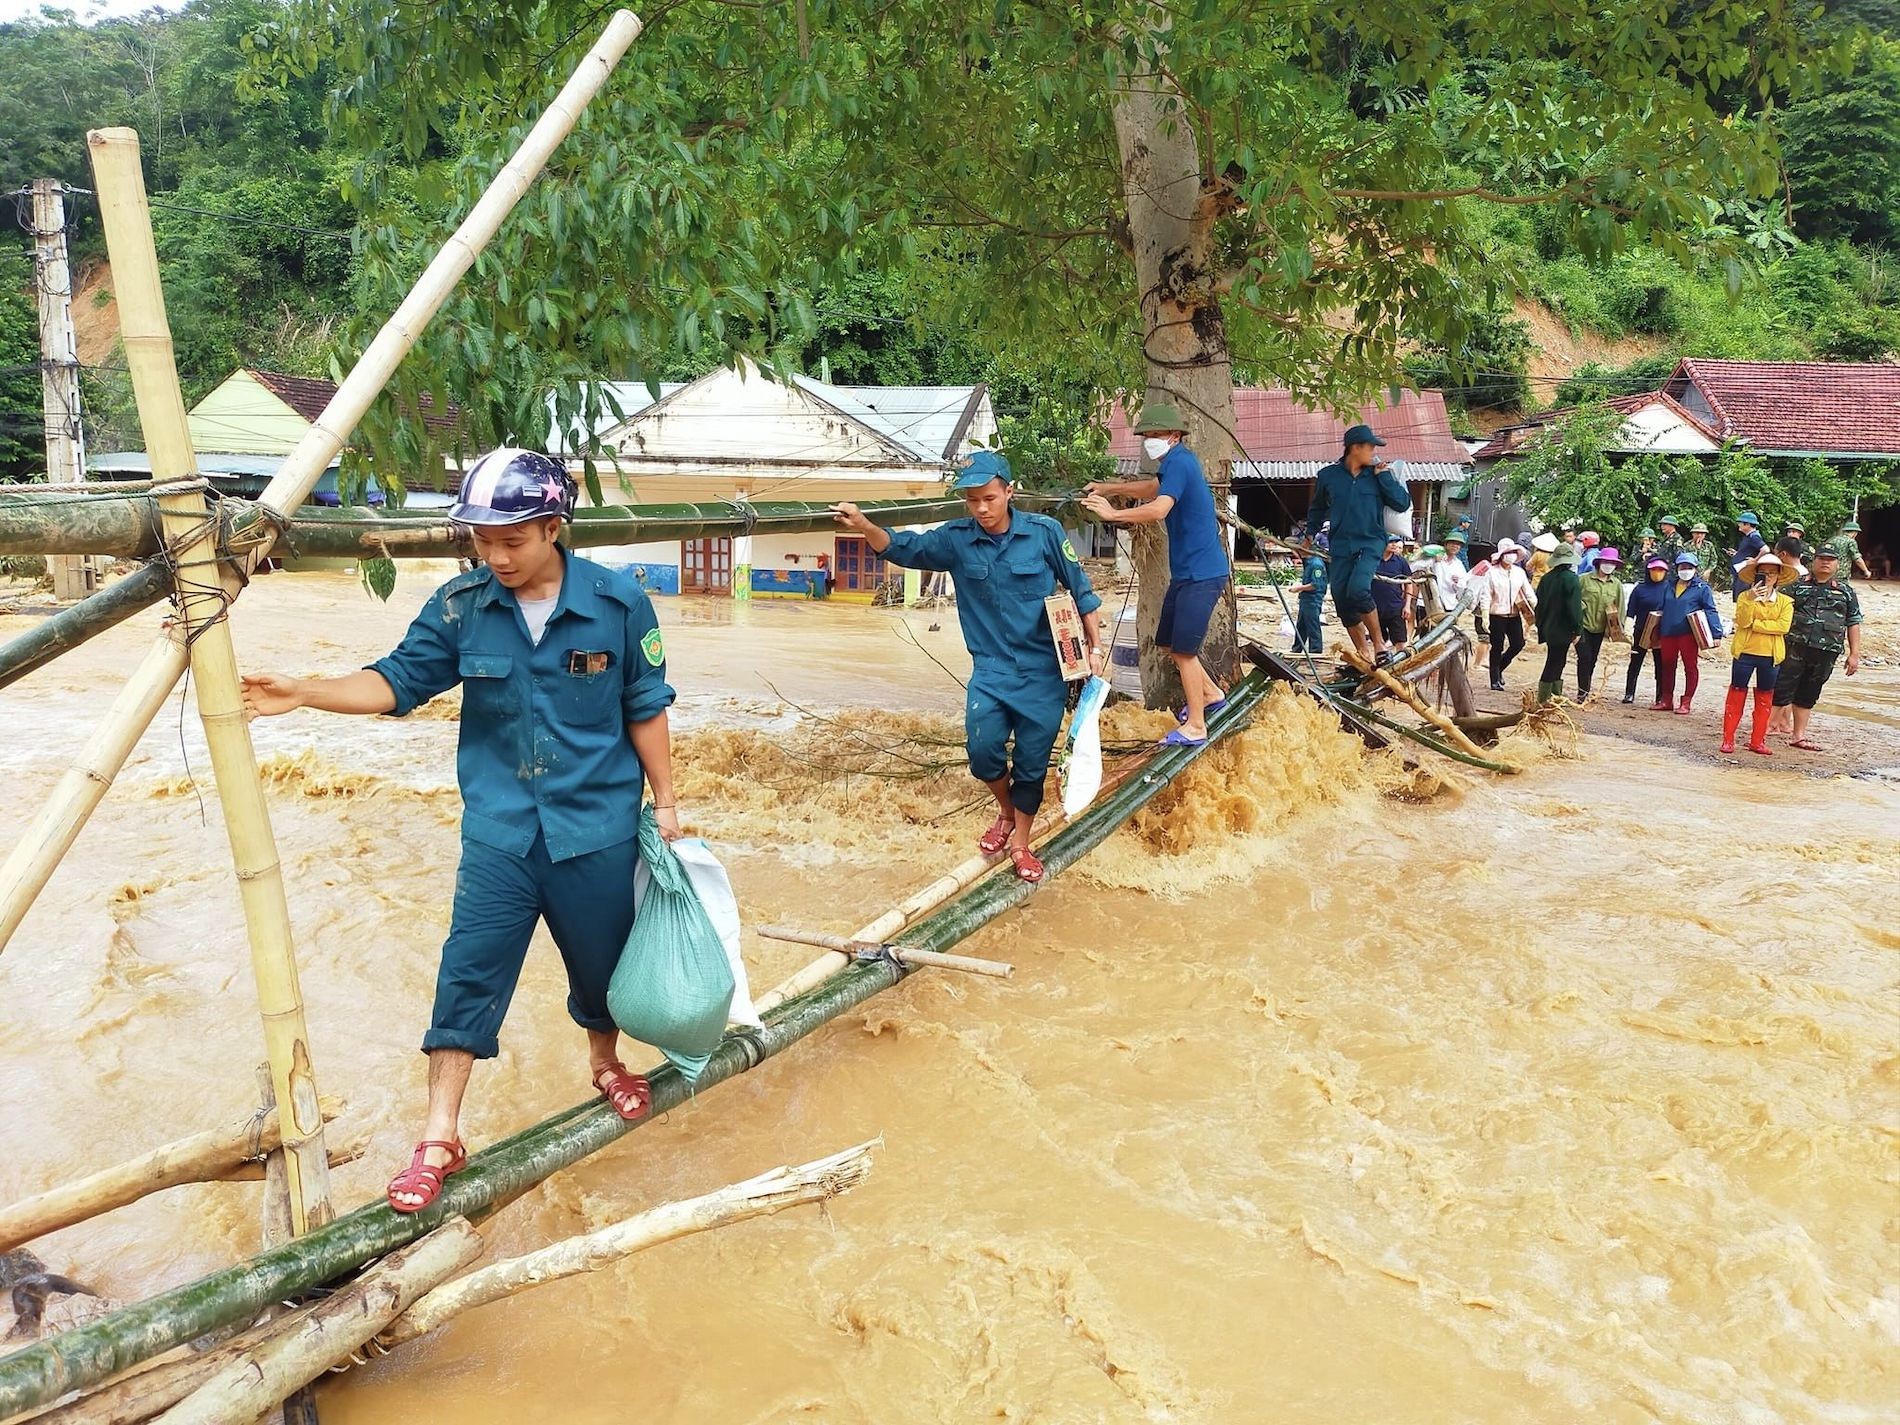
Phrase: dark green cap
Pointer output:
(1159, 416)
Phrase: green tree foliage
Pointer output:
(22, 436)
(744, 155)
(1569, 471)
(1843, 152)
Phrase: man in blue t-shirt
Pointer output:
(1198, 569)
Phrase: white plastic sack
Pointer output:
(1082, 761)
(714, 889)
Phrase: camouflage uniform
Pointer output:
(1822, 615)
(1849, 551)
(1668, 546)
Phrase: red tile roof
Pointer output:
(1272, 426)
(1799, 407)
(1510, 439)
(308, 395)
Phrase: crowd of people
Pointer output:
(1793, 610)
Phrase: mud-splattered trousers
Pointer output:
(550, 783)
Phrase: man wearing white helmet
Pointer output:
(564, 699)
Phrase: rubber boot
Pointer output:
(1732, 716)
(1547, 691)
(1758, 725)
(1682, 708)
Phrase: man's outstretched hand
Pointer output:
(271, 694)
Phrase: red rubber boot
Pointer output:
(1732, 716)
(1758, 725)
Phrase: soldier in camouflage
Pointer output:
(1847, 549)
(1827, 622)
(1669, 543)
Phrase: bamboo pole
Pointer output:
(127, 527)
(202, 597)
(1407, 694)
(307, 462)
(200, 1158)
(305, 465)
(63, 815)
(497, 1175)
(783, 1187)
(289, 1359)
(996, 969)
(158, 1385)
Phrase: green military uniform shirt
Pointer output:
(1668, 548)
(1844, 546)
(1822, 615)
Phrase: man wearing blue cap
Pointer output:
(1752, 544)
(1006, 563)
(1354, 492)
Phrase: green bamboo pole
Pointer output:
(76, 623)
(126, 527)
(498, 1175)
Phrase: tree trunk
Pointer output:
(1172, 212)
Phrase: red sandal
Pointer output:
(1028, 868)
(616, 1085)
(997, 837)
(425, 1178)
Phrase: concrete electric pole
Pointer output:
(73, 575)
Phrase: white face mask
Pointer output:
(1510, 559)
(1155, 446)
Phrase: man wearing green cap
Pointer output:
(1699, 545)
(1668, 542)
(1827, 621)
(1354, 492)
(1847, 549)
(1006, 562)
(1198, 569)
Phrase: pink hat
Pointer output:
(1658, 564)
(1608, 555)
(1589, 539)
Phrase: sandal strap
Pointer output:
(428, 1143)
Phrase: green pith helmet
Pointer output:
(1698, 528)
(1159, 417)
(1667, 519)
(1647, 533)
(1851, 527)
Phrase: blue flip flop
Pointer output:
(1178, 738)
(1180, 714)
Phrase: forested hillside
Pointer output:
(281, 230)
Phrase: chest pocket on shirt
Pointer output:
(1029, 578)
(587, 699)
(487, 689)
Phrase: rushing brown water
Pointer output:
(1570, 1098)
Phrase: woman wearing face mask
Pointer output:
(1763, 616)
(1508, 598)
(1602, 614)
(1645, 599)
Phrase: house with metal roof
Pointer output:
(738, 434)
(1834, 410)
(1285, 441)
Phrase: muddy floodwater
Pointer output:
(1569, 1096)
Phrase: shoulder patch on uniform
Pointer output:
(1068, 552)
(653, 647)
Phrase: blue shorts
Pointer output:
(1186, 610)
(995, 726)
(587, 902)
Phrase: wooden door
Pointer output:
(706, 566)
(860, 570)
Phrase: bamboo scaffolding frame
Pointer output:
(499, 1174)
(209, 1156)
(202, 597)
